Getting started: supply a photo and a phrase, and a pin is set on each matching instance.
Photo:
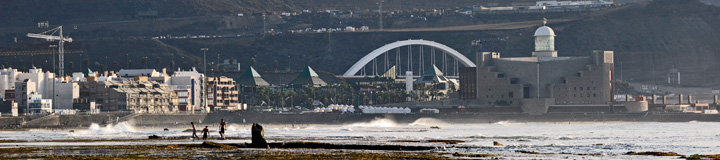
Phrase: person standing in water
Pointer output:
(222, 129)
(205, 132)
(194, 135)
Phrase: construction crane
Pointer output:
(49, 35)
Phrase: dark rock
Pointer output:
(154, 137)
(258, 136)
(208, 144)
(166, 129)
(654, 153)
(435, 127)
(527, 152)
(496, 143)
(446, 141)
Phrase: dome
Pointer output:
(544, 31)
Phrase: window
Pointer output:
(594, 88)
(588, 88)
(510, 94)
(182, 100)
(575, 88)
(581, 88)
(593, 94)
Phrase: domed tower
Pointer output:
(544, 42)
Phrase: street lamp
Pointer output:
(53, 80)
(204, 79)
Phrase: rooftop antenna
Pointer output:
(544, 19)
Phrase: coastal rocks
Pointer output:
(208, 144)
(654, 153)
(456, 154)
(258, 136)
(154, 137)
(446, 141)
(697, 156)
(496, 143)
(527, 152)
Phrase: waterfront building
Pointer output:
(537, 82)
(307, 78)
(23, 90)
(124, 94)
(42, 81)
(190, 83)
(37, 104)
(251, 78)
(222, 93)
(434, 78)
(7, 80)
(65, 94)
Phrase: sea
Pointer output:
(582, 140)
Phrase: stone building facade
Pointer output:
(127, 95)
(544, 78)
(222, 93)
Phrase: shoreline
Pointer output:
(170, 120)
(301, 150)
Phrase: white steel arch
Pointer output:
(377, 52)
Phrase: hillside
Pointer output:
(648, 38)
(18, 13)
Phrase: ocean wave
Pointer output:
(381, 122)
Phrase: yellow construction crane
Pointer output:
(49, 35)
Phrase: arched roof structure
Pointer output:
(377, 52)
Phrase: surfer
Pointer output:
(194, 135)
(205, 132)
(222, 129)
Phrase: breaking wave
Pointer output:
(123, 127)
(381, 122)
(429, 122)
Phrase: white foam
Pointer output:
(382, 122)
(95, 129)
(429, 122)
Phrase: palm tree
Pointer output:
(157, 62)
(252, 62)
(87, 63)
(115, 65)
(71, 65)
(276, 64)
(144, 61)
